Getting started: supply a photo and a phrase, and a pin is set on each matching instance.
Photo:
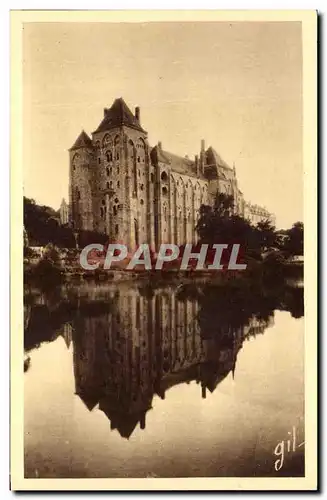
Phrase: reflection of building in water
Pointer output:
(66, 331)
(143, 346)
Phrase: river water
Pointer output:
(134, 381)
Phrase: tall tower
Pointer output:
(122, 176)
(80, 182)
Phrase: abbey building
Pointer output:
(135, 193)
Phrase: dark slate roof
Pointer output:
(178, 164)
(213, 157)
(216, 167)
(82, 141)
(119, 114)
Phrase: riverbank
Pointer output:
(257, 274)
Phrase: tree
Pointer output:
(40, 222)
(48, 271)
(43, 227)
(266, 234)
(294, 241)
(224, 204)
(217, 224)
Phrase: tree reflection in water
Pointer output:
(132, 342)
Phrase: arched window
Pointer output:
(107, 185)
(140, 146)
(130, 149)
(78, 194)
(164, 177)
(118, 184)
(109, 156)
(103, 202)
(115, 210)
(116, 228)
(106, 140)
(107, 169)
(164, 191)
(75, 160)
(142, 201)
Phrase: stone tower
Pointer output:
(120, 184)
(82, 163)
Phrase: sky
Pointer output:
(237, 85)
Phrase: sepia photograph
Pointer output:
(163, 183)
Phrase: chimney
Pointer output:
(160, 145)
(197, 166)
(137, 113)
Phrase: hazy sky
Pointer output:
(236, 85)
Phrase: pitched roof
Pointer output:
(213, 157)
(119, 114)
(216, 167)
(178, 164)
(82, 141)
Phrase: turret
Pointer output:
(80, 195)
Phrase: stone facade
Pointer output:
(255, 214)
(135, 193)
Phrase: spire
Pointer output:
(82, 141)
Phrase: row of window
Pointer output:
(164, 178)
(109, 158)
(103, 210)
(110, 185)
(108, 140)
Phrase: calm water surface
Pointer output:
(127, 381)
